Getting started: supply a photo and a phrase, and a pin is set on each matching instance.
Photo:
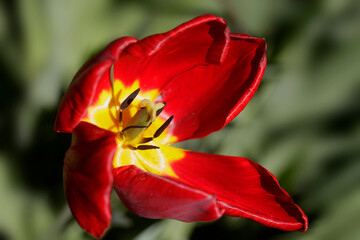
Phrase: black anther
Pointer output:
(163, 127)
(146, 140)
(129, 127)
(120, 116)
(161, 109)
(146, 147)
(129, 99)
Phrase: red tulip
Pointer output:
(121, 130)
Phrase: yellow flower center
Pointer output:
(143, 134)
(132, 131)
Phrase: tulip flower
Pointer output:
(128, 104)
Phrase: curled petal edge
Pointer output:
(88, 177)
(243, 188)
(246, 97)
(158, 197)
(85, 85)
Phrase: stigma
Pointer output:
(132, 131)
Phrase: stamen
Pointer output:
(143, 118)
(130, 127)
(120, 116)
(143, 147)
(129, 99)
(163, 127)
(146, 147)
(112, 77)
(146, 140)
(161, 109)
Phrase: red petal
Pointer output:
(157, 197)
(243, 188)
(157, 59)
(206, 98)
(93, 77)
(88, 177)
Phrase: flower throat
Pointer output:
(132, 131)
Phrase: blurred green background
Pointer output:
(302, 124)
